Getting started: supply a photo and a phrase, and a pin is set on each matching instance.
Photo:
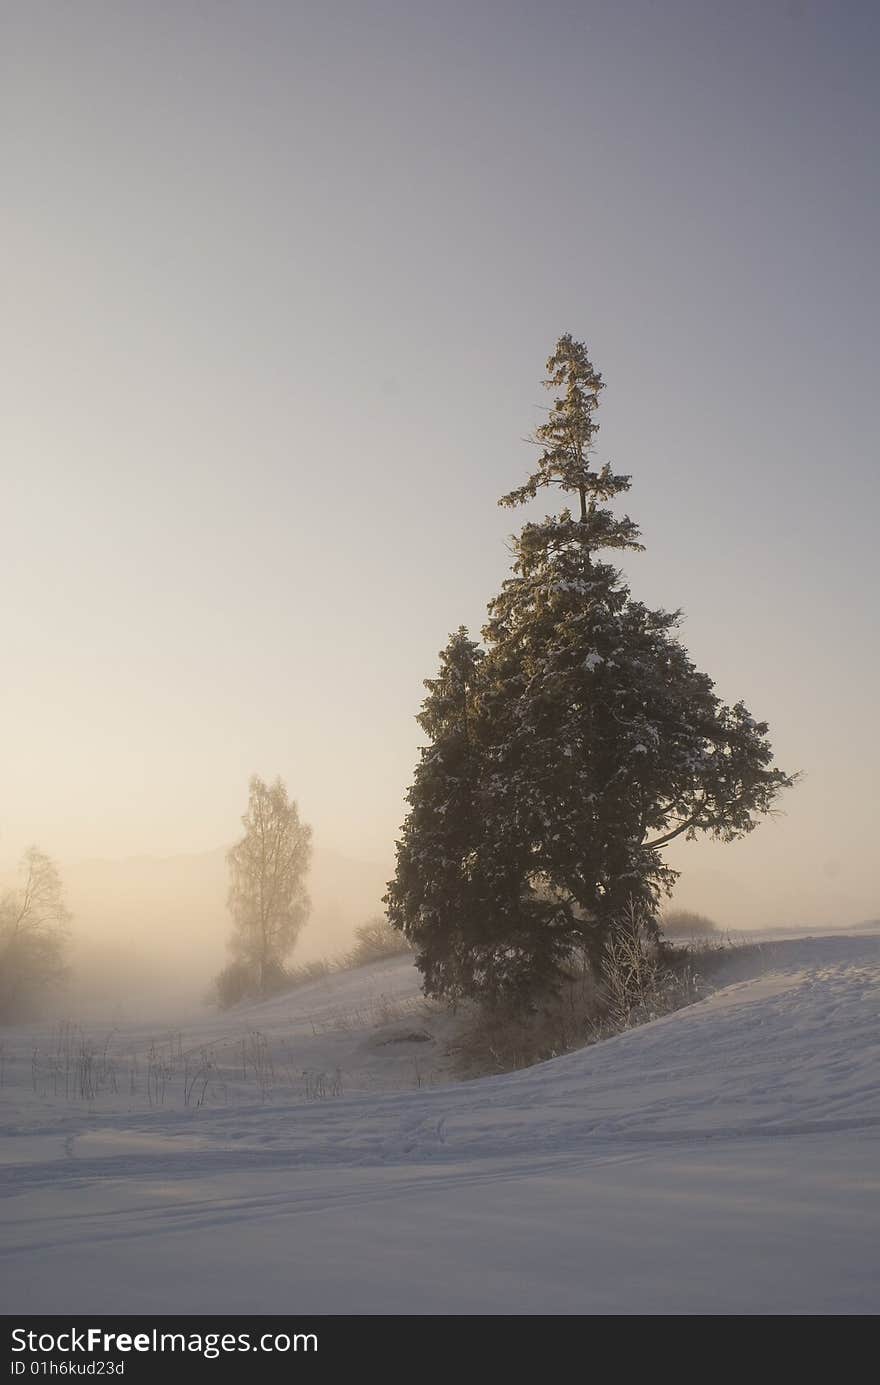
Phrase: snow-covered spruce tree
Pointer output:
(457, 893)
(433, 895)
(595, 742)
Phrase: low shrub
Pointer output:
(682, 923)
(232, 985)
(309, 971)
(377, 941)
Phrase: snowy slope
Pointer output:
(723, 1159)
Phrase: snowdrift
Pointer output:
(720, 1160)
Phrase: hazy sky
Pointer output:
(280, 281)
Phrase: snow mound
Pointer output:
(722, 1159)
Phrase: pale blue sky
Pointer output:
(280, 282)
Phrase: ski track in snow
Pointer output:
(723, 1159)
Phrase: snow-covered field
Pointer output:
(314, 1155)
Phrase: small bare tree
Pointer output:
(637, 976)
(267, 896)
(631, 968)
(377, 941)
(33, 933)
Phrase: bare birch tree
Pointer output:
(33, 933)
(267, 895)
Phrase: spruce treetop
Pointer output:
(567, 443)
